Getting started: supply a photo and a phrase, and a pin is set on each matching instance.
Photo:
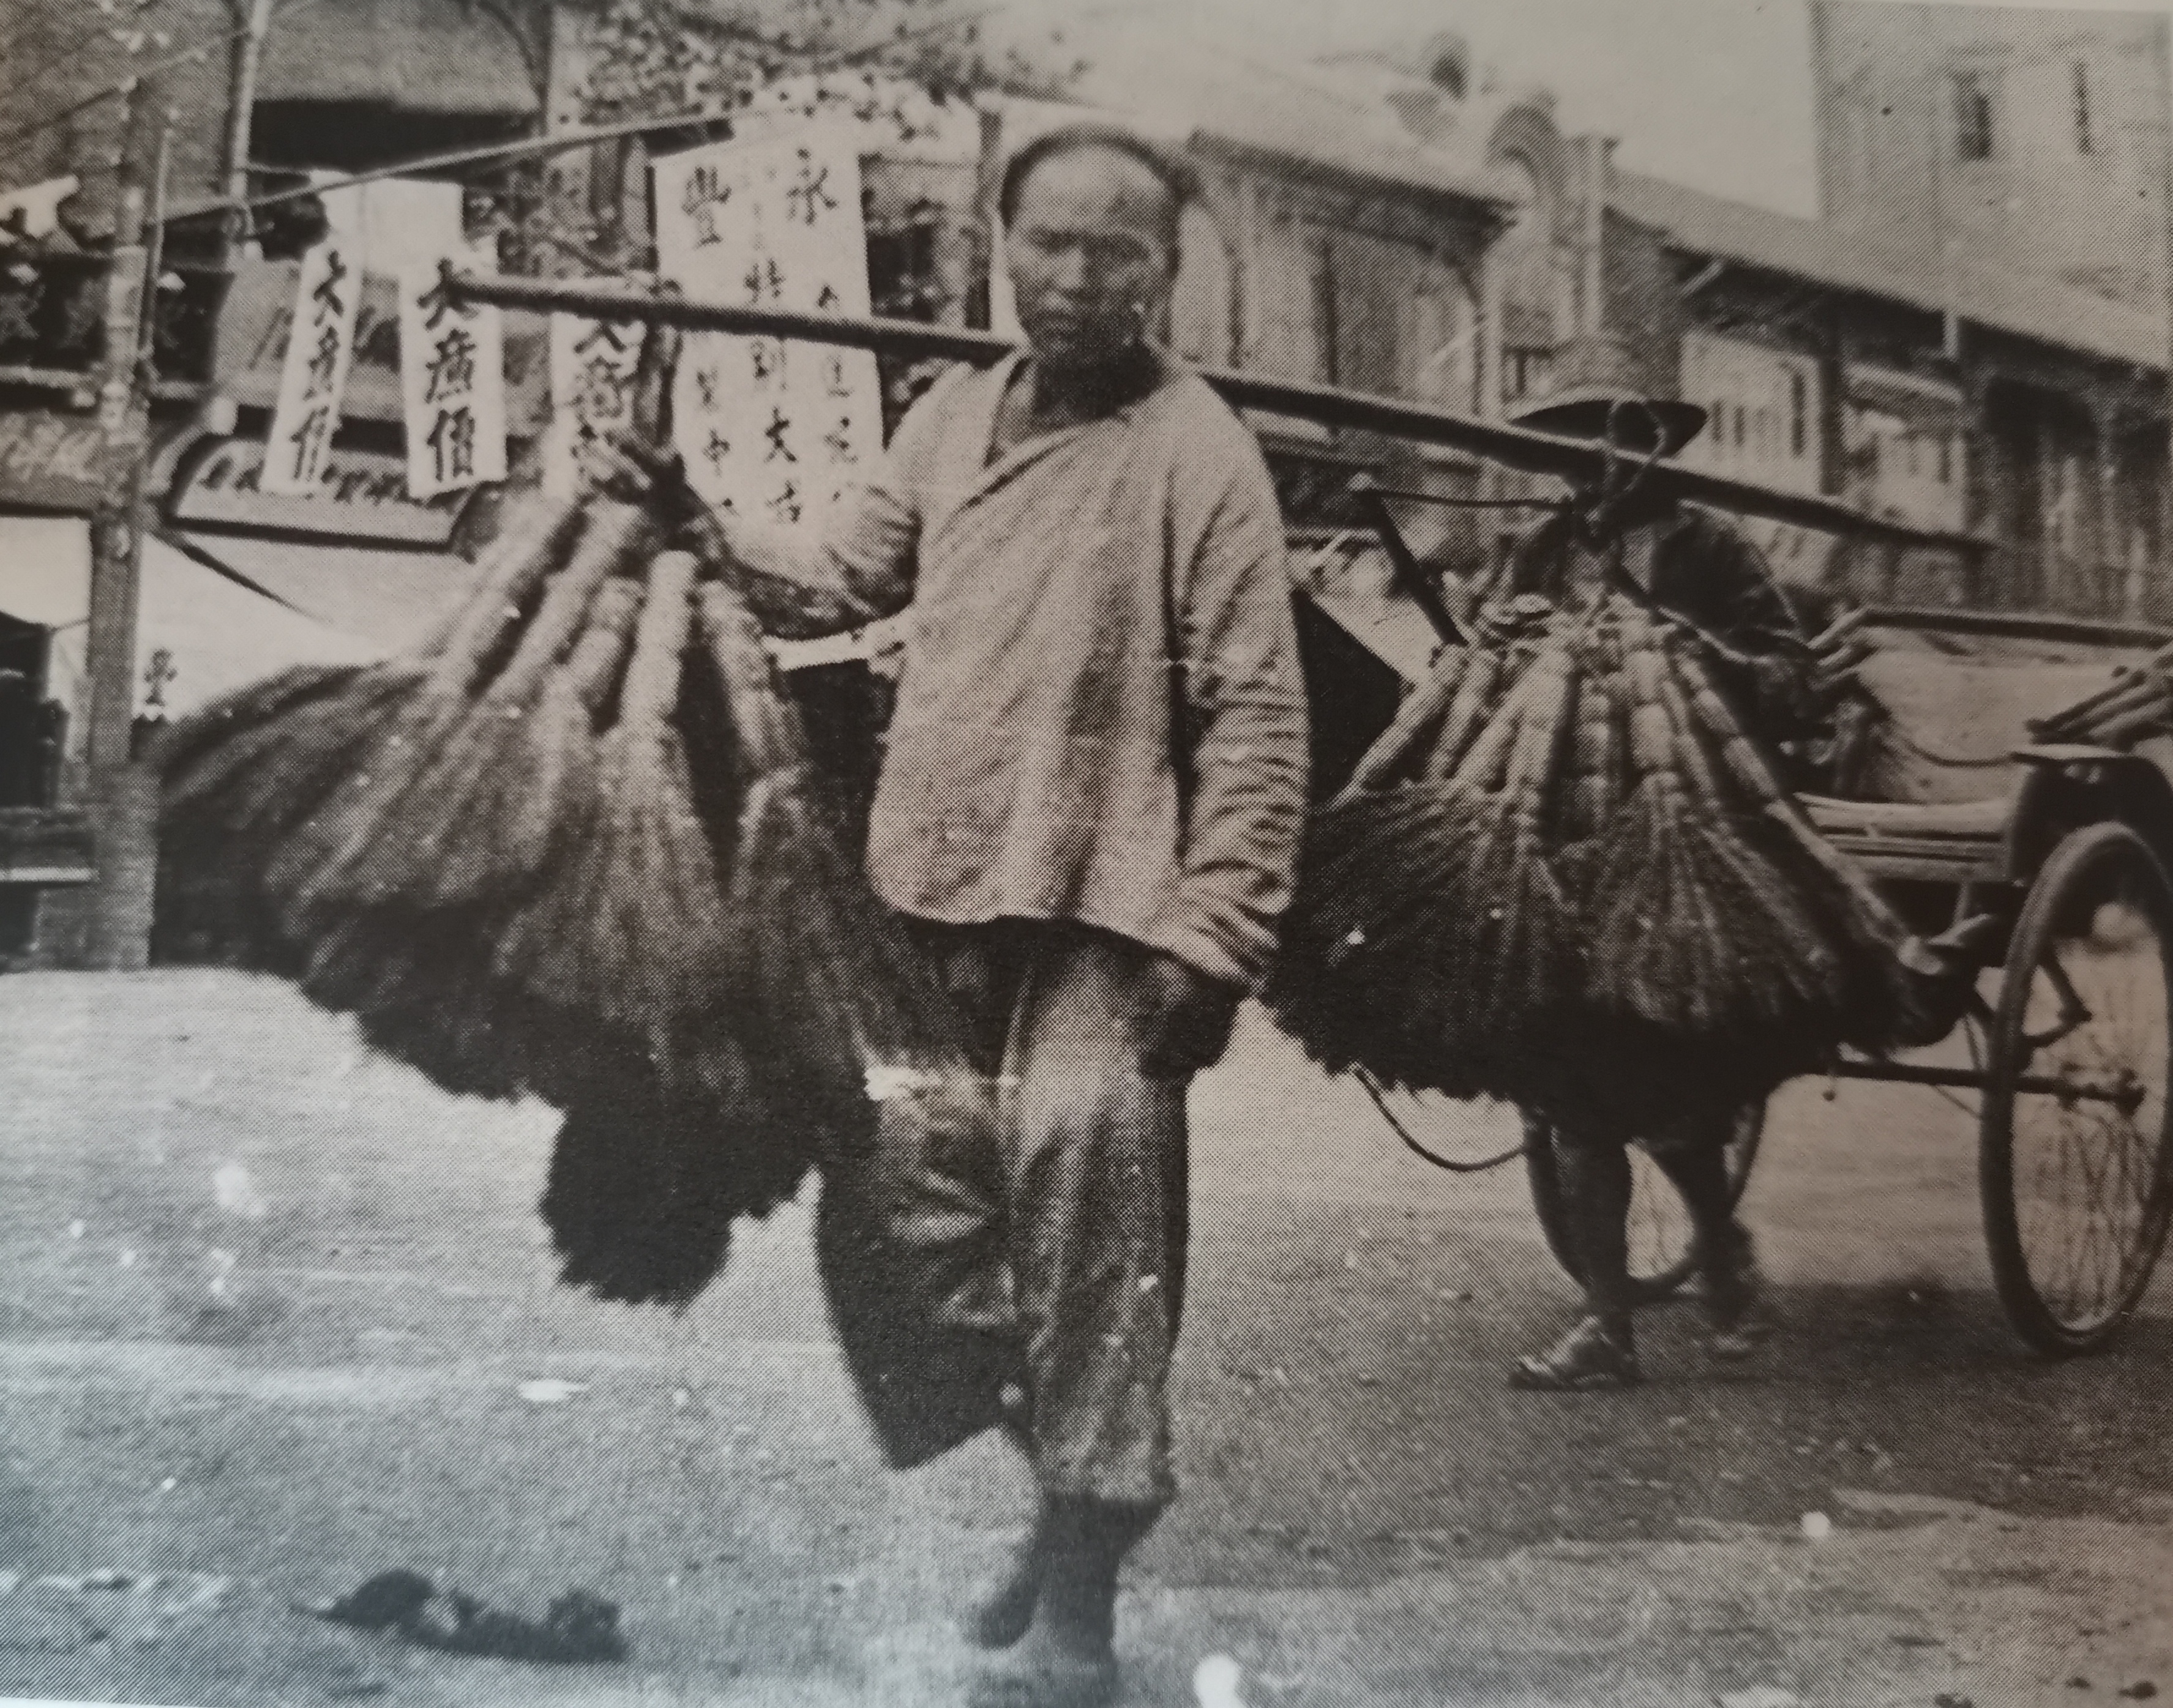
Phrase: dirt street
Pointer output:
(274, 1315)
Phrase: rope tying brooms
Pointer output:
(1567, 877)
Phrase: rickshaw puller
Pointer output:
(1693, 565)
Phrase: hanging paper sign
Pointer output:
(592, 393)
(314, 376)
(776, 430)
(452, 383)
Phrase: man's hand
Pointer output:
(1185, 1018)
(632, 469)
(1836, 655)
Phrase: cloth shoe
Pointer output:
(1740, 1318)
(1068, 1658)
(1001, 1608)
(1592, 1356)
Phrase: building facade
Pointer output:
(2034, 137)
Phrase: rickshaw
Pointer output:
(2066, 1042)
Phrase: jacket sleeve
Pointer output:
(1243, 740)
(1762, 657)
(861, 569)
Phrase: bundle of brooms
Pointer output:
(1565, 876)
(572, 847)
(2137, 705)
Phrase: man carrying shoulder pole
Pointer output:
(1091, 803)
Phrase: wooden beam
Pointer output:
(1536, 453)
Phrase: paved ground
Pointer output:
(266, 1306)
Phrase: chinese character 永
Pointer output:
(809, 198)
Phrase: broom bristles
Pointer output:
(1573, 912)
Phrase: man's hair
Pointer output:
(1180, 183)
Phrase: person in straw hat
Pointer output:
(1090, 802)
(1695, 565)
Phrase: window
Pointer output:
(1525, 373)
(1946, 459)
(1320, 260)
(2085, 138)
(1800, 415)
(1739, 427)
(903, 280)
(1973, 137)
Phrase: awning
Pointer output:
(387, 600)
(198, 635)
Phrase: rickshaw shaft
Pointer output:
(2128, 1093)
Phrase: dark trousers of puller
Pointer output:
(1024, 1229)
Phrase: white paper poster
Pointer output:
(318, 350)
(452, 382)
(592, 393)
(411, 220)
(777, 431)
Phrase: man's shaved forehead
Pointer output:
(1138, 163)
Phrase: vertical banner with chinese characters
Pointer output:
(777, 431)
(452, 382)
(592, 365)
(318, 351)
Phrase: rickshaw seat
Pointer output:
(1925, 841)
(1985, 818)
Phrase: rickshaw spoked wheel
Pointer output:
(1661, 1259)
(2075, 1168)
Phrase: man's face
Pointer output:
(1090, 256)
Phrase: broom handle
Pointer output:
(2125, 679)
(1420, 716)
(768, 735)
(1490, 753)
(2110, 703)
(1475, 699)
(600, 655)
(614, 537)
(441, 710)
(1742, 757)
(2136, 720)
(539, 534)
(652, 678)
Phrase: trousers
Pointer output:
(1008, 1247)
